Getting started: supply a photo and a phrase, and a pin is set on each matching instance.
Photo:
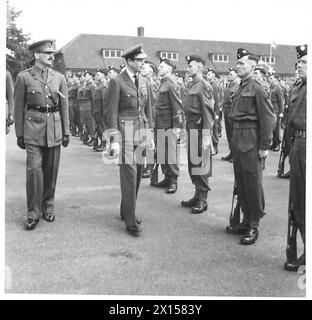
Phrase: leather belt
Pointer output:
(47, 109)
(301, 134)
(245, 124)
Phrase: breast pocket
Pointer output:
(128, 99)
(247, 101)
(34, 97)
(34, 125)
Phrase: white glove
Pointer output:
(114, 150)
(176, 132)
(263, 153)
(206, 141)
(281, 115)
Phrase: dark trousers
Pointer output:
(199, 172)
(42, 165)
(228, 125)
(88, 122)
(130, 179)
(76, 123)
(277, 131)
(248, 174)
(297, 186)
(100, 125)
(215, 132)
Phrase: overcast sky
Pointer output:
(281, 21)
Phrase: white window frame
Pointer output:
(169, 55)
(220, 57)
(266, 59)
(112, 53)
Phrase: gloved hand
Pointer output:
(20, 142)
(114, 150)
(206, 141)
(263, 153)
(176, 132)
(65, 141)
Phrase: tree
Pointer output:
(18, 56)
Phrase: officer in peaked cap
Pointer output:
(199, 112)
(41, 126)
(253, 119)
(168, 124)
(127, 104)
(297, 190)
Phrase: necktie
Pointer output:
(136, 81)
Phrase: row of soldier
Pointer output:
(162, 102)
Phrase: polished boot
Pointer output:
(134, 230)
(227, 158)
(188, 203)
(239, 229)
(31, 224)
(162, 184)
(199, 207)
(250, 236)
(295, 265)
(172, 188)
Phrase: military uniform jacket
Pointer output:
(199, 102)
(229, 93)
(277, 99)
(9, 94)
(125, 102)
(216, 96)
(38, 128)
(84, 96)
(298, 105)
(72, 95)
(168, 105)
(251, 103)
(98, 99)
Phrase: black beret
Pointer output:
(135, 52)
(168, 62)
(191, 58)
(211, 70)
(43, 46)
(302, 51)
(112, 68)
(261, 69)
(99, 70)
(243, 52)
(122, 66)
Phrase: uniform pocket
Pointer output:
(57, 127)
(34, 97)
(34, 125)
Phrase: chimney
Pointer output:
(140, 31)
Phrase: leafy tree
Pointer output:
(18, 56)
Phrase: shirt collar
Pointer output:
(131, 74)
(247, 80)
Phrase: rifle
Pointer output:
(234, 219)
(283, 156)
(291, 248)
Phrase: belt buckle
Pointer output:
(49, 109)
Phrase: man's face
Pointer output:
(258, 74)
(147, 70)
(45, 58)
(112, 74)
(164, 69)
(136, 64)
(98, 76)
(232, 75)
(210, 75)
(192, 69)
(245, 67)
(271, 80)
(302, 67)
(87, 76)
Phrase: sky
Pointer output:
(281, 21)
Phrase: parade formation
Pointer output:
(140, 113)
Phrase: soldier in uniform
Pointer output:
(41, 126)
(128, 106)
(168, 124)
(199, 113)
(253, 121)
(277, 100)
(73, 91)
(98, 109)
(260, 75)
(297, 123)
(217, 96)
(232, 87)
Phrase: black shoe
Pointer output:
(227, 158)
(294, 266)
(134, 230)
(172, 188)
(199, 207)
(239, 229)
(147, 173)
(31, 224)
(285, 175)
(216, 151)
(276, 149)
(188, 203)
(50, 217)
(162, 184)
(91, 142)
(250, 236)
(272, 146)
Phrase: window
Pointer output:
(112, 53)
(266, 59)
(219, 57)
(169, 55)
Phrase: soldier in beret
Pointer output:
(253, 121)
(128, 109)
(199, 112)
(168, 124)
(232, 87)
(41, 126)
(260, 75)
(297, 126)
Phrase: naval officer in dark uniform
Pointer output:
(128, 109)
(297, 157)
(41, 126)
(199, 111)
(253, 119)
